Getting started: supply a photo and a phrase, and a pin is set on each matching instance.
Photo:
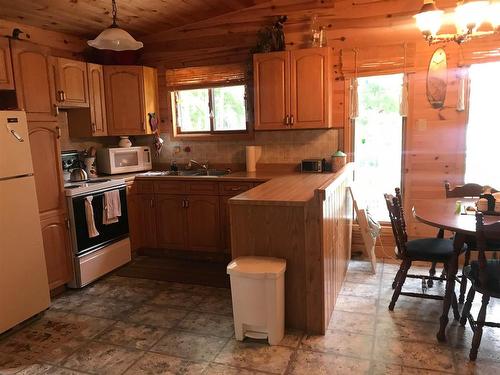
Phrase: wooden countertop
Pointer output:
(292, 189)
(279, 188)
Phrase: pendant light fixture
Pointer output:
(115, 38)
(468, 16)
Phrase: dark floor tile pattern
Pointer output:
(123, 325)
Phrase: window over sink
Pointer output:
(210, 110)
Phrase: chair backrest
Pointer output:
(398, 225)
(465, 191)
(400, 201)
(484, 234)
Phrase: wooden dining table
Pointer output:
(440, 213)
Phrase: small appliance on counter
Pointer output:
(119, 160)
(313, 166)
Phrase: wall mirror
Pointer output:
(437, 79)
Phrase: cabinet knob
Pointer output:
(287, 120)
(63, 96)
(186, 203)
(236, 188)
(151, 203)
(93, 128)
(291, 120)
(58, 131)
(143, 125)
(56, 109)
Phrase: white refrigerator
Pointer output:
(24, 290)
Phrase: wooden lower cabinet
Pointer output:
(203, 223)
(171, 222)
(225, 224)
(56, 246)
(182, 215)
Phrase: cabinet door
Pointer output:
(124, 86)
(71, 83)
(310, 88)
(6, 77)
(271, 90)
(203, 223)
(58, 257)
(225, 223)
(97, 100)
(142, 224)
(34, 81)
(46, 156)
(171, 229)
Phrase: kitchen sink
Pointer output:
(196, 172)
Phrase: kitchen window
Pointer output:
(483, 128)
(212, 110)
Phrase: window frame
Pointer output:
(247, 133)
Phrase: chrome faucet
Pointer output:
(201, 165)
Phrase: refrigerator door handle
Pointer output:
(16, 135)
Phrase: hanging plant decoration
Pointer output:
(271, 38)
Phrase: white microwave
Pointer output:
(123, 160)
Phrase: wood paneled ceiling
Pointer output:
(87, 18)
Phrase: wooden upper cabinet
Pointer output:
(310, 87)
(271, 85)
(6, 76)
(34, 81)
(71, 83)
(131, 94)
(98, 121)
(91, 121)
(293, 89)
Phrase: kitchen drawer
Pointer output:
(143, 187)
(202, 188)
(170, 187)
(234, 188)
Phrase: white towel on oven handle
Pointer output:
(112, 208)
(89, 216)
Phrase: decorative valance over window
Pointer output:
(206, 76)
(375, 60)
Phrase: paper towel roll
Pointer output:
(253, 155)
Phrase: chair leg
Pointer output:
(454, 305)
(405, 266)
(444, 273)
(467, 306)
(398, 274)
(478, 332)
(463, 284)
(432, 272)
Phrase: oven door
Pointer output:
(82, 243)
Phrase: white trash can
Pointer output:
(258, 293)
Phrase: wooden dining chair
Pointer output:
(470, 190)
(437, 250)
(485, 279)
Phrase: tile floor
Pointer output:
(134, 326)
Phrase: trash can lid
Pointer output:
(257, 267)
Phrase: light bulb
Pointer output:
(470, 15)
(429, 19)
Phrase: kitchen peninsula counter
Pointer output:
(307, 220)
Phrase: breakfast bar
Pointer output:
(305, 219)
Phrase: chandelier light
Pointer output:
(468, 17)
(115, 38)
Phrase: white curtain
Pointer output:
(353, 102)
(462, 84)
(403, 105)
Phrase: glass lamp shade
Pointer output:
(429, 19)
(116, 39)
(494, 14)
(470, 15)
